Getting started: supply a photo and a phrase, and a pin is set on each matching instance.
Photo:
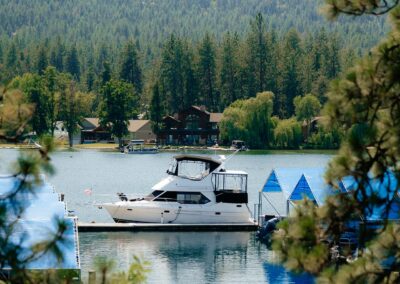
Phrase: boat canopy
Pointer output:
(197, 158)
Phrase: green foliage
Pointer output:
(136, 274)
(156, 111)
(42, 61)
(14, 102)
(306, 107)
(35, 90)
(73, 106)
(288, 134)
(206, 71)
(72, 64)
(364, 103)
(130, 70)
(249, 120)
(118, 105)
(298, 240)
(325, 137)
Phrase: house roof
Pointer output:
(93, 120)
(199, 108)
(136, 124)
(215, 117)
(169, 117)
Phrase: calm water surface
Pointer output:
(216, 257)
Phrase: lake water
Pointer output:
(207, 257)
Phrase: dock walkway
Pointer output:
(140, 227)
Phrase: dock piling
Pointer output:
(92, 277)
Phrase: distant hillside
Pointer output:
(89, 22)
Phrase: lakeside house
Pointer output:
(192, 126)
(92, 131)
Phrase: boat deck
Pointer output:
(139, 227)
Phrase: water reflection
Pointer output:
(180, 257)
(190, 257)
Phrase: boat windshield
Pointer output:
(195, 170)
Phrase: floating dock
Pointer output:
(158, 227)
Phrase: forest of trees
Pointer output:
(211, 72)
(179, 69)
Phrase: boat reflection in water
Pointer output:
(188, 257)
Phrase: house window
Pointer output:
(192, 122)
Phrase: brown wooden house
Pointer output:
(192, 126)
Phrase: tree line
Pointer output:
(215, 74)
(253, 121)
(210, 72)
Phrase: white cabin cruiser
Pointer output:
(197, 190)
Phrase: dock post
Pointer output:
(162, 217)
(92, 277)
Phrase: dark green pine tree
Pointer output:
(90, 78)
(207, 73)
(106, 74)
(191, 86)
(333, 57)
(229, 73)
(12, 61)
(156, 109)
(130, 70)
(258, 52)
(90, 75)
(289, 85)
(42, 61)
(171, 81)
(102, 57)
(57, 55)
(1, 53)
(72, 64)
(38, 95)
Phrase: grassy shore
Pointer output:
(114, 148)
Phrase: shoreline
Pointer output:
(113, 148)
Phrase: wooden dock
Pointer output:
(158, 227)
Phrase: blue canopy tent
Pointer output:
(278, 188)
(41, 207)
(285, 186)
(387, 187)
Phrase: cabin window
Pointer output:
(155, 193)
(167, 196)
(192, 198)
(183, 197)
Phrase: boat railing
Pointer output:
(229, 182)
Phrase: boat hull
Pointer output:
(175, 213)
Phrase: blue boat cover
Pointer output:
(380, 188)
(283, 180)
(37, 223)
(302, 190)
(298, 182)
